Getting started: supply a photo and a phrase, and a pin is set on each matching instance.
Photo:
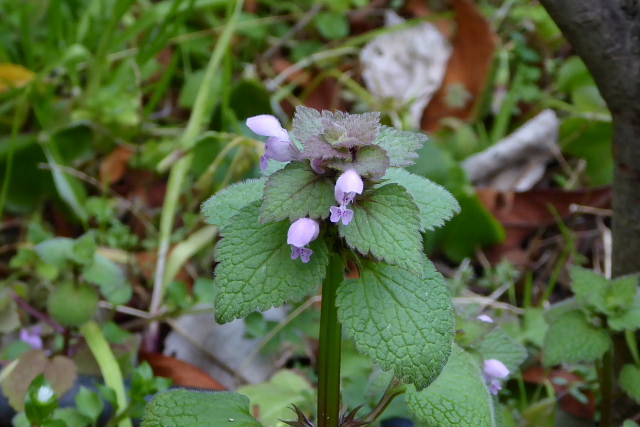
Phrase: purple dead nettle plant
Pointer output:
(334, 192)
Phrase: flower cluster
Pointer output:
(338, 143)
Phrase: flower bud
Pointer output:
(347, 186)
(495, 368)
(301, 233)
(279, 146)
(267, 125)
(494, 371)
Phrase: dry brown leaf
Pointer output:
(13, 76)
(522, 213)
(114, 165)
(300, 77)
(182, 373)
(469, 66)
(60, 371)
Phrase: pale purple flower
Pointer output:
(485, 318)
(278, 146)
(494, 371)
(347, 186)
(32, 336)
(301, 233)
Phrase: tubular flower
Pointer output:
(347, 186)
(301, 233)
(494, 371)
(278, 146)
(32, 336)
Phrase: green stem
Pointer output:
(108, 366)
(201, 112)
(18, 119)
(395, 389)
(330, 342)
(606, 389)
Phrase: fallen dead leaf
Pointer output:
(182, 373)
(469, 66)
(523, 213)
(114, 165)
(60, 371)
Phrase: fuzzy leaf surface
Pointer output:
(630, 381)
(436, 204)
(621, 293)
(590, 287)
(498, 344)
(371, 162)
(219, 208)
(296, 192)
(401, 146)
(606, 296)
(307, 122)
(458, 398)
(317, 147)
(274, 398)
(179, 408)
(386, 224)
(255, 270)
(573, 339)
(110, 278)
(349, 130)
(402, 321)
(628, 319)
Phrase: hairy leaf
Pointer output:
(498, 344)
(371, 162)
(386, 224)
(274, 398)
(296, 192)
(349, 130)
(401, 146)
(179, 408)
(458, 398)
(573, 339)
(110, 278)
(628, 319)
(255, 270)
(436, 204)
(621, 293)
(307, 122)
(606, 296)
(219, 208)
(630, 381)
(402, 321)
(590, 287)
(317, 147)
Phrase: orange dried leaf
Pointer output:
(114, 165)
(182, 373)
(469, 67)
(13, 76)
